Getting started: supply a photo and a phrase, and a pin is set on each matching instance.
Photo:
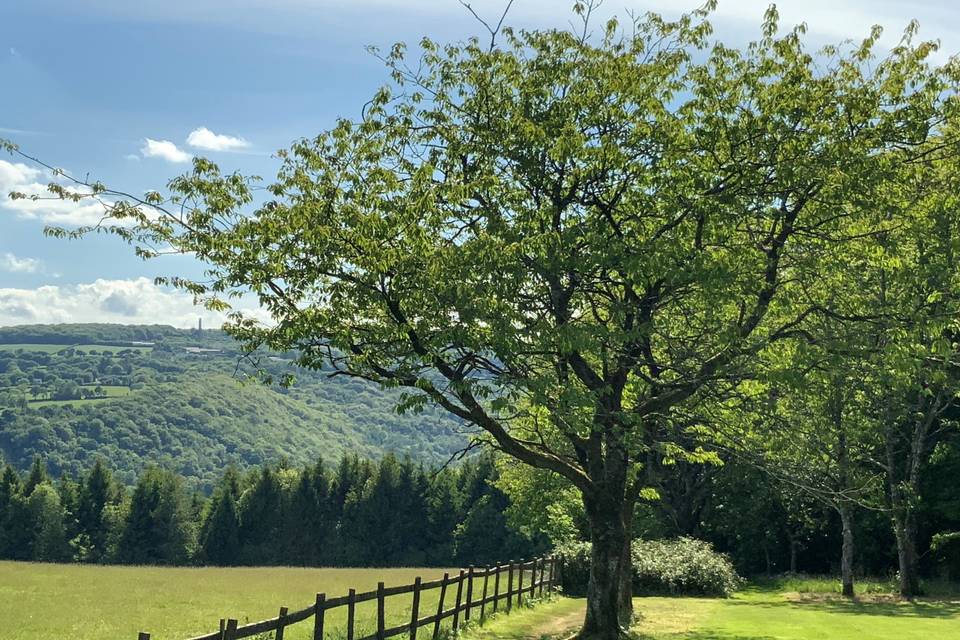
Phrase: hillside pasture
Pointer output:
(40, 348)
(84, 602)
(57, 348)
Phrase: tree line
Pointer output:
(359, 512)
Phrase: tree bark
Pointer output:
(846, 552)
(607, 609)
(905, 530)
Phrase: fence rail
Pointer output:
(543, 574)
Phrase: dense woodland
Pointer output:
(139, 395)
(355, 513)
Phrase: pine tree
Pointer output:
(220, 534)
(157, 528)
(97, 491)
(36, 476)
(10, 491)
(48, 541)
(260, 516)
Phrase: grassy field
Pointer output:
(42, 348)
(755, 614)
(43, 601)
(110, 391)
(56, 348)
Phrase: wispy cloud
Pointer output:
(23, 132)
(203, 138)
(132, 301)
(14, 264)
(164, 149)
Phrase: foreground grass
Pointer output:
(43, 601)
(755, 614)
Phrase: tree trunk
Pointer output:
(846, 553)
(904, 527)
(609, 562)
(626, 580)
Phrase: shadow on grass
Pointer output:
(915, 609)
(922, 608)
(703, 635)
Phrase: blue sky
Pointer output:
(127, 91)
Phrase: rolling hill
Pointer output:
(136, 395)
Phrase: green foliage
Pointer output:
(386, 513)
(157, 529)
(945, 548)
(681, 566)
(186, 409)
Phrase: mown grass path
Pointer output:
(751, 615)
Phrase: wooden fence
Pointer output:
(543, 574)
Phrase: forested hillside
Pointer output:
(148, 394)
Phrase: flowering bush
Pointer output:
(681, 566)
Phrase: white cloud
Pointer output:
(203, 138)
(14, 264)
(22, 178)
(134, 301)
(164, 149)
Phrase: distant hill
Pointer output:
(142, 394)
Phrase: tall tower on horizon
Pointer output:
(199, 324)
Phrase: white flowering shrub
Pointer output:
(680, 566)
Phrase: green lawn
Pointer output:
(44, 601)
(751, 615)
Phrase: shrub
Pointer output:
(681, 566)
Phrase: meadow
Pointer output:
(84, 602)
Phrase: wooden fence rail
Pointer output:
(543, 574)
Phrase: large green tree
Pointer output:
(568, 241)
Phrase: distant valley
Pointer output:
(136, 395)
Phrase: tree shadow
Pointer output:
(703, 635)
(920, 608)
(904, 609)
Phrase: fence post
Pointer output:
(415, 609)
(520, 585)
(381, 613)
(483, 602)
(351, 612)
(537, 571)
(466, 614)
(319, 609)
(543, 574)
(143, 635)
(510, 586)
(280, 624)
(456, 610)
(230, 633)
(223, 628)
(443, 593)
(496, 589)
